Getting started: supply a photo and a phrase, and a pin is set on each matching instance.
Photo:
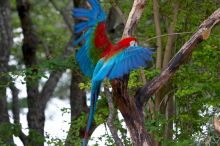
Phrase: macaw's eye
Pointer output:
(133, 43)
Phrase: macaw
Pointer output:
(99, 58)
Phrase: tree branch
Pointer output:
(216, 123)
(49, 86)
(132, 107)
(63, 14)
(6, 40)
(111, 118)
(134, 16)
(15, 103)
(202, 34)
(133, 116)
(171, 38)
(158, 33)
(168, 34)
(16, 112)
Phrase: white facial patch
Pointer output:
(133, 43)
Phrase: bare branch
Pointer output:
(16, 111)
(63, 13)
(216, 123)
(15, 103)
(133, 115)
(202, 34)
(54, 77)
(49, 86)
(164, 35)
(134, 16)
(111, 118)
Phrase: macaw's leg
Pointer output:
(133, 115)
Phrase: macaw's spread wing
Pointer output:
(93, 36)
(122, 63)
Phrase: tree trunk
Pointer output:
(169, 113)
(35, 116)
(37, 101)
(169, 105)
(161, 105)
(77, 103)
(158, 33)
(133, 115)
(171, 38)
(5, 46)
(134, 16)
(132, 107)
(78, 106)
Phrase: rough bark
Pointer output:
(132, 107)
(5, 46)
(133, 115)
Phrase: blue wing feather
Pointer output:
(115, 67)
(124, 62)
(80, 27)
(82, 37)
(83, 58)
(94, 4)
(82, 12)
(93, 16)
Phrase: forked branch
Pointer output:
(202, 34)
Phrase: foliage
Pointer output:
(8, 130)
(74, 133)
(196, 84)
(197, 90)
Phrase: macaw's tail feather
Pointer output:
(85, 141)
(94, 97)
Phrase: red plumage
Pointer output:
(118, 47)
(101, 40)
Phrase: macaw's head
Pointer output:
(121, 45)
(127, 42)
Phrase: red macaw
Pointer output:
(99, 58)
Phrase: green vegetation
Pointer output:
(194, 89)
